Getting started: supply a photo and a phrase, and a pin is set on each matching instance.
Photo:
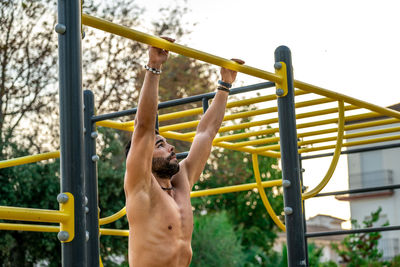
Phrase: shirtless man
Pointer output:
(157, 187)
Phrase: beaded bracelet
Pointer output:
(224, 84)
(223, 89)
(152, 70)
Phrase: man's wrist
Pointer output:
(225, 84)
(223, 88)
(156, 71)
(154, 65)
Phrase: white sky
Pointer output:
(351, 47)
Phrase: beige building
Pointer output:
(373, 169)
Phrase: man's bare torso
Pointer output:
(161, 225)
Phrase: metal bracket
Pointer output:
(68, 225)
(282, 86)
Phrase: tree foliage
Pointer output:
(27, 71)
(113, 65)
(28, 64)
(361, 249)
(245, 209)
(215, 242)
(113, 69)
(33, 186)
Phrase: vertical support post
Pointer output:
(303, 210)
(71, 124)
(92, 214)
(290, 165)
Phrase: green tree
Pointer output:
(215, 242)
(245, 209)
(27, 72)
(361, 249)
(28, 65)
(112, 69)
(111, 170)
(37, 185)
(395, 261)
(314, 258)
(33, 186)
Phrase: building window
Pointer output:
(390, 247)
(372, 172)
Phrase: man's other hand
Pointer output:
(158, 56)
(229, 76)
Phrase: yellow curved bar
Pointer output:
(113, 218)
(335, 158)
(264, 198)
(29, 159)
(126, 32)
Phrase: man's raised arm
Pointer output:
(208, 127)
(138, 162)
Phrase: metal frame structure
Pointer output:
(79, 216)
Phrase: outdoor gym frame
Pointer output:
(78, 215)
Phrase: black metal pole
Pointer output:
(92, 214)
(290, 166)
(354, 231)
(157, 122)
(360, 190)
(352, 151)
(204, 102)
(303, 210)
(186, 100)
(71, 125)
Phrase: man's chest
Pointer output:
(175, 213)
(168, 213)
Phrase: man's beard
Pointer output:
(163, 167)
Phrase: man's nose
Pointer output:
(171, 148)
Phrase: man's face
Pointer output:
(164, 163)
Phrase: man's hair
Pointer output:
(128, 145)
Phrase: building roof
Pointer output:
(326, 216)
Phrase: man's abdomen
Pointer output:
(163, 252)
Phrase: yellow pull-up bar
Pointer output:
(126, 32)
